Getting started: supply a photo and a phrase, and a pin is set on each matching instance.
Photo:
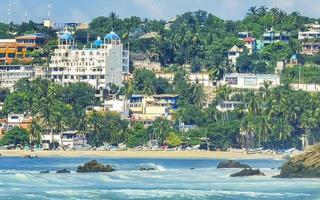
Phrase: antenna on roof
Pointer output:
(49, 9)
(25, 10)
(9, 13)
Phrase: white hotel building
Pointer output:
(102, 64)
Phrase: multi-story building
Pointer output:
(250, 42)
(100, 65)
(148, 108)
(249, 81)
(310, 39)
(10, 74)
(20, 47)
(270, 37)
(8, 48)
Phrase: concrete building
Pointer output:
(14, 120)
(117, 105)
(225, 106)
(101, 65)
(271, 36)
(250, 42)
(233, 54)
(149, 108)
(20, 47)
(249, 81)
(310, 39)
(66, 139)
(10, 74)
(48, 23)
(147, 61)
(201, 78)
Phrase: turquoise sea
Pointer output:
(173, 179)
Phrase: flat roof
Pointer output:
(7, 40)
(252, 75)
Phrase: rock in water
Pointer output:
(248, 172)
(94, 166)
(306, 165)
(63, 171)
(146, 168)
(232, 164)
(44, 172)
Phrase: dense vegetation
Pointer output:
(271, 117)
(198, 39)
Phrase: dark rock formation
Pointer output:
(248, 172)
(306, 165)
(63, 171)
(232, 164)
(147, 168)
(94, 166)
(44, 172)
(30, 156)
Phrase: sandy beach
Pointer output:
(142, 154)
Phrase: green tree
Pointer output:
(173, 140)
(15, 136)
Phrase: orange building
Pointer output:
(8, 48)
(20, 47)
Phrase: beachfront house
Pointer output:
(148, 108)
(66, 139)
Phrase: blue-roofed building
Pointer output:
(112, 36)
(103, 63)
(97, 43)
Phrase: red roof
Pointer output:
(249, 39)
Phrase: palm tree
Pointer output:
(246, 130)
(47, 111)
(35, 131)
(161, 128)
(254, 102)
(197, 95)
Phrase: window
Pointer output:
(250, 81)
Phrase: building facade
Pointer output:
(250, 42)
(249, 81)
(149, 108)
(10, 74)
(101, 65)
(310, 39)
(270, 37)
(201, 78)
(20, 47)
(233, 54)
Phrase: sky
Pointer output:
(86, 10)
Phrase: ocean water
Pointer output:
(174, 179)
